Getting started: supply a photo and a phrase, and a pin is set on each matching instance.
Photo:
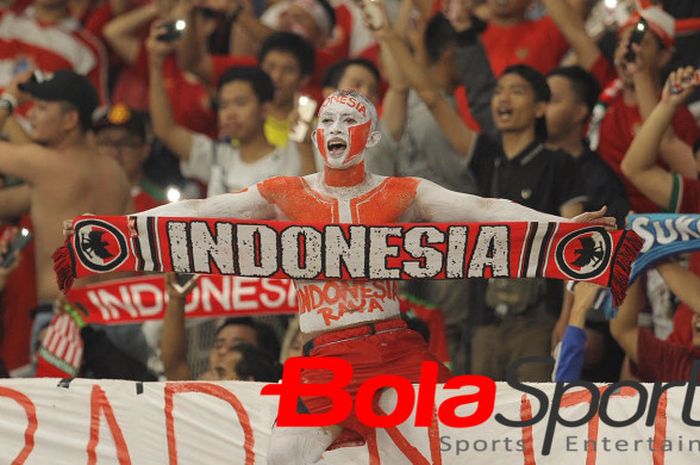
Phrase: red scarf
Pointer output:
(276, 249)
(143, 298)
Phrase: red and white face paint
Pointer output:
(344, 127)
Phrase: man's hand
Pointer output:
(585, 294)
(4, 244)
(13, 87)
(158, 49)
(68, 230)
(597, 217)
(173, 288)
(679, 85)
(369, 13)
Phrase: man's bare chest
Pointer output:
(385, 202)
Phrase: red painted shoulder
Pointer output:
(386, 202)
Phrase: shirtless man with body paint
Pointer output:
(373, 338)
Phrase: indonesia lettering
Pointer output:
(361, 252)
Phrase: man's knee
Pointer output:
(298, 445)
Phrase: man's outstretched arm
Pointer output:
(249, 204)
(435, 203)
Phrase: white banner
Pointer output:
(229, 423)
(126, 423)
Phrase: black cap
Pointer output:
(66, 86)
(539, 87)
(121, 115)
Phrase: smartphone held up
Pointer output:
(640, 29)
(18, 242)
(172, 30)
(306, 108)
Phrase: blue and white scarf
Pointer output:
(664, 236)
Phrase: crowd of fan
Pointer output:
(538, 102)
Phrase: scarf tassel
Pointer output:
(63, 266)
(627, 252)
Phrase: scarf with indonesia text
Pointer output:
(276, 249)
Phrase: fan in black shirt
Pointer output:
(574, 94)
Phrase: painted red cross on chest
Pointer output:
(299, 202)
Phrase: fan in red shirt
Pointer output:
(126, 34)
(510, 38)
(671, 359)
(314, 20)
(652, 358)
(630, 99)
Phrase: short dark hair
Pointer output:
(335, 73)
(265, 337)
(256, 364)
(257, 78)
(294, 44)
(537, 81)
(439, 35)
(583, 83)
(540, 88)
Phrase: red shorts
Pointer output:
(384, 348)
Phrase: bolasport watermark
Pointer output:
(483, 402)
(570, 443)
